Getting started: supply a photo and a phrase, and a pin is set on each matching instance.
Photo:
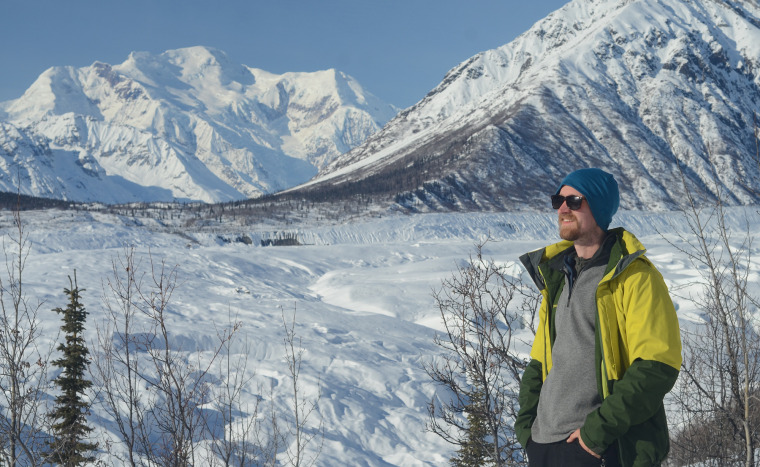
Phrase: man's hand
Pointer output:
(577, 436)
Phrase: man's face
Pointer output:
(575, 225)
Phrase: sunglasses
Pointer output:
(573, 202)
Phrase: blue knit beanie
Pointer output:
(600, 190)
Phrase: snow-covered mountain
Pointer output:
(186, 124)
(631, 86)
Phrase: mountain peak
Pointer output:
(196, 60)
(185, 124)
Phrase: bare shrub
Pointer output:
(716, 399)
(479, 366)
(154, 391)
(302, 409)
(23, 362)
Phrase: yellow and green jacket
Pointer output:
(638, 351)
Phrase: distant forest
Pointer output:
(10, 201)
(287, 210)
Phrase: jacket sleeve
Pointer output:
(634, 399)
(530, 389)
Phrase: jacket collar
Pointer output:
(626, 249)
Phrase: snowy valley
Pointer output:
(361, 293)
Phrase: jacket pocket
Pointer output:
(647, 443)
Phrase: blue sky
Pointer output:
(397, 49)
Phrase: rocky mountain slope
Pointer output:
(188, 124)
(637, 87)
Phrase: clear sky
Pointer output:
(396, 49)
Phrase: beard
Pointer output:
(569, 231)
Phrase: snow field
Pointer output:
(361, 294)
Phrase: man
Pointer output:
(608, 345)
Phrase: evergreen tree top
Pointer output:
(69, 446)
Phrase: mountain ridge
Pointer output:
(636, 87)
(186, 124)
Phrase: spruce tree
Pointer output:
(69, 446)
(476, 450)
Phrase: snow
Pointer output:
(361, 293)
(630, 86)
(184, 124)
